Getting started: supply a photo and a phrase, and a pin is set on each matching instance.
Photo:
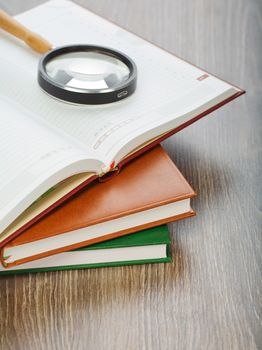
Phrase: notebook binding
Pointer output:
(107, 169)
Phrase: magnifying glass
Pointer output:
(82, 74)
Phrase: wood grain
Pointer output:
(210, 296)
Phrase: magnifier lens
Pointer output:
(88, 70)
(87, 74)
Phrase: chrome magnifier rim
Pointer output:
(102, 96)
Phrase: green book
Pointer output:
(147, 246)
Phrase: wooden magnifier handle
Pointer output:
(35, 41)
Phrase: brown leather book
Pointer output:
(60, 148)
(147, 192)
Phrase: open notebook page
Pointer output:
(168, 88)
(32, 159)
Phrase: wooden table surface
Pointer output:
(209, 297)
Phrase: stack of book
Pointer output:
(89, 186)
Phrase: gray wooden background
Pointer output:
(210, 296)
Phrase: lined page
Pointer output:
(167, 86)
(32, 159)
